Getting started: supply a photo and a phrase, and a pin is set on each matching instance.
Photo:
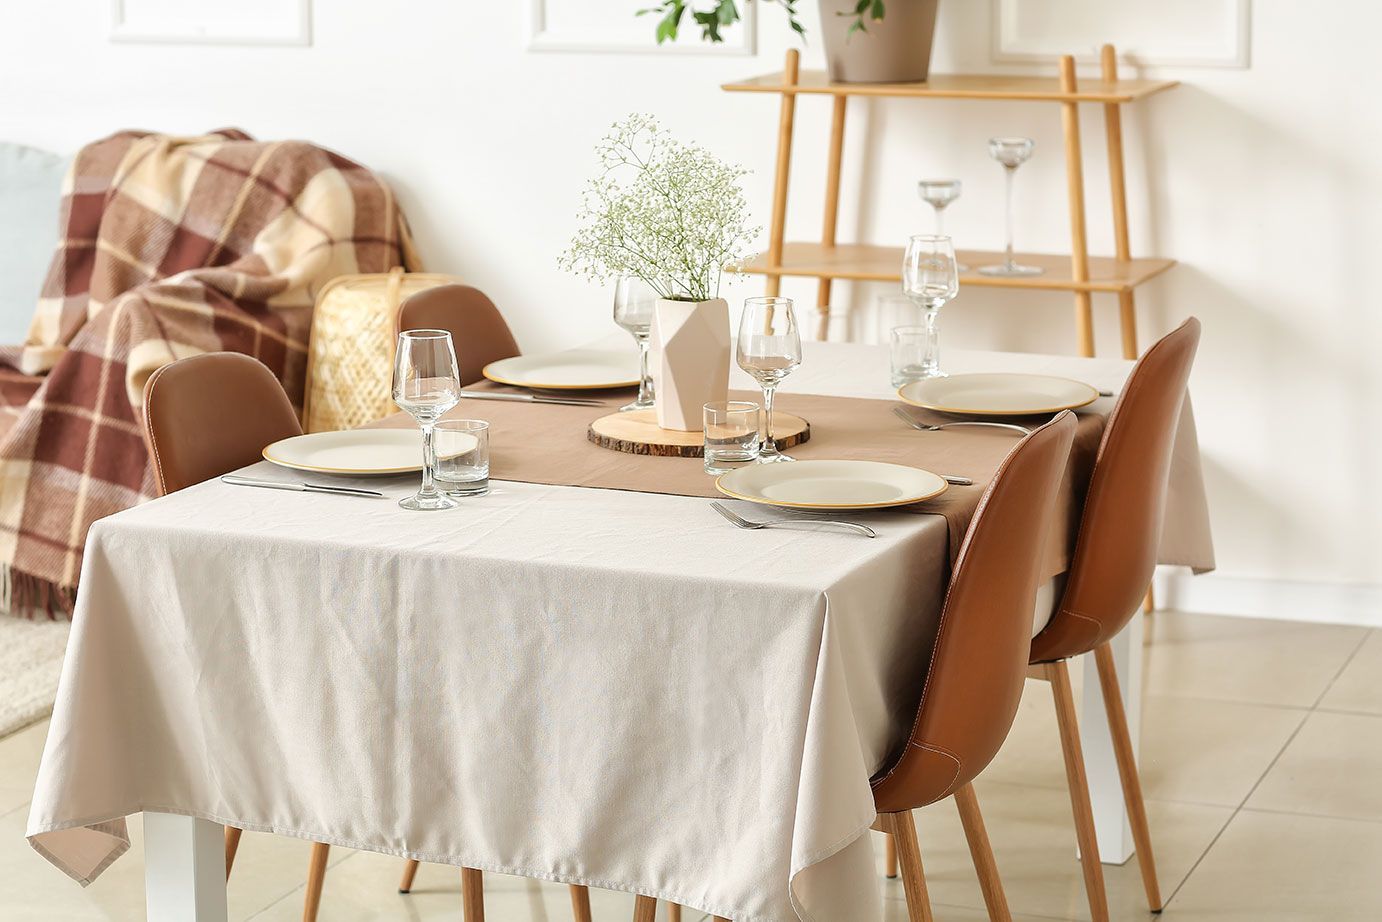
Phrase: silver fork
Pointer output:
(738, 521)
(927, 427)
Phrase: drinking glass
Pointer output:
(634, 301)
(913, 352)
(462, 456)
(1012, 153)
(769, 347)
(930, 279)
(426, 383)
(731, 435)
(939, 193)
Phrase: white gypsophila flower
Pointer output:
(669, 213)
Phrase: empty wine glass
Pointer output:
(634, 301)
(426, 383)
(930, 279)
(1012, 153)
(938, 193)
(769, 347)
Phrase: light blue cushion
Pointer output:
(30, 192)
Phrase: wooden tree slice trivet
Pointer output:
(637, 432)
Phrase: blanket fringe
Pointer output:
(28, 596)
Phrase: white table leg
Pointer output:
(1105, 790)
(184, 869)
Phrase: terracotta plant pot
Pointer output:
(689, 360)
(896, 49)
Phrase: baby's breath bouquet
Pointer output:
(669, 213)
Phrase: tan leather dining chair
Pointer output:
(477, 329)
(1111, 567)
(205, 416)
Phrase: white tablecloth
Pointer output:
(593, 686)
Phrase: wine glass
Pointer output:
(939, 193)
(1012, 153)
(426, 383)
(769, 347)
(634, 300)
(930, 279)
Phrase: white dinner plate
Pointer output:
(576, 369)
(998, 394)
(831, 484)
(356, 452)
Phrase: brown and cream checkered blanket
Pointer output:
(169, 247)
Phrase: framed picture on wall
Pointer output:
(216, 22)
(610, 26)
(1193, 33)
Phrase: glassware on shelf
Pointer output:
(462, 456)
(731, 435)
(1011, 153)
(930, 279)
(769, 347)
(634, 302)
(426, 383)
(938, 193)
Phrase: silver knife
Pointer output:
(957, 481)
(234, 480)
(534, 398)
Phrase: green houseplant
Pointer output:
(673, 215)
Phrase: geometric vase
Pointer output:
(689, 360)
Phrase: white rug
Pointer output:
(30, 663)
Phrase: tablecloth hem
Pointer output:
(815, 858)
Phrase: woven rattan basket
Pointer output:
(350, 352)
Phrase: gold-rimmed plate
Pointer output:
(831, 484)
(573, 369)
(998, 394)
(353, 452)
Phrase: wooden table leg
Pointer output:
(184, 869)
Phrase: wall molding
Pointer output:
(543, 35)
(1277, 599)
(291, 26)
(1178, 39)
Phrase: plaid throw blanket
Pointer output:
(169, 247)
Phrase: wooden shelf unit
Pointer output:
(1075, 272)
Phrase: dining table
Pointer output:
(586, 675)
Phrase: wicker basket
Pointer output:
(350, 352)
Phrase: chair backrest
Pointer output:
(210, 414)
(979, 659)
(477, 329)
(1120, 528)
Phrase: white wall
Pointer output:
(1265, 182)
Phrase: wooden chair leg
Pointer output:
(889, 856)
(644, 909)
(232, 846)
(1149, 601)
(904, 830)
(316, 877)
(409, 872)
(1059, 674)
(982, 853)
(1127, 772)
(473, 895)
(580, 902)
(673, 912)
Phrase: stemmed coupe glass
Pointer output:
(426, 383)
(930, 279)
(634, 301)
(769, 347)
(938, 193)
(1012, 153)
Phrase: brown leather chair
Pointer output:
(205, 416)
(1111, 568)
(978, 662)
(477, 328)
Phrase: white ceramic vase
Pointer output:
(689, 360)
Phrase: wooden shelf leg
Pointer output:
(832, 205)
(1118, 193)
(786, 120)
(1074, 172)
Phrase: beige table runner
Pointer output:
(547, 444)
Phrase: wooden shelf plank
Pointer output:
(869, 263)
(961, 86)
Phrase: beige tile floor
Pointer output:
(1262, 755)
